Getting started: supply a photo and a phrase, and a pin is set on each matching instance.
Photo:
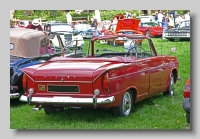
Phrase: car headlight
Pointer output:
(166, 34)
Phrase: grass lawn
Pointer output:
(158, 112)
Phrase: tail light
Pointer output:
(106, 83)
(186, 93)
(24, 83)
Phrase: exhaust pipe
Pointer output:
(35, 109)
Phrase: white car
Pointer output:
(148, 18)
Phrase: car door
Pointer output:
(156, 67)
(142, 78)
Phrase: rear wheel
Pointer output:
(126, 105)
(170, 90)
(188, 117)
(52, 109)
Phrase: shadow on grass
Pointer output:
(16, 102)
(98, 115)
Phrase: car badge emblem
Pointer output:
(41, 87)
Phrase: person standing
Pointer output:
(128, 15)
(35, 25)
(177, 21)
(94, 22)
(187, 16)
(160, 18)
(171, 21)
(156, 17)
(164, 25)
(69, 17)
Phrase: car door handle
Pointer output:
(148, 60)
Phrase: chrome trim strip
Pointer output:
(68, 100)
(14, 95)
(66, 81)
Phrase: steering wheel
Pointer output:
(136, 52)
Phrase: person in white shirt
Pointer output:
(171, 21)
(187, 16)
(69, 18)
(182, 20)
(177, 21)
(160, 17)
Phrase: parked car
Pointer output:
(180, 33)
(84, 29)
(69, 37)
(25, 50)
(186, 100)
(105, 78)
(146, 18)
(75, 22)
(150, 29)
(124, 26)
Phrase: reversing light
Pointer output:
(31, 91)
(96, 92)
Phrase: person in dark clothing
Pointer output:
(35, 25)
(94, 22)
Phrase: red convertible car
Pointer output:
(107, 77)
(150, 29)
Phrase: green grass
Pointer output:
(158, 112)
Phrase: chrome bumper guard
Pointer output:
(67, 100)
(14, 95)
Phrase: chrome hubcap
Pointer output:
(172, 86)
(126, 106)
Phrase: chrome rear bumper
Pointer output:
(14, 95)
(67, 100)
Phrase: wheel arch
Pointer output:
(134, 93)
(175, 73)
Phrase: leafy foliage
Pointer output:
(61, 14)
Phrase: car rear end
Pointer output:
(67, 84)
(186, 100)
